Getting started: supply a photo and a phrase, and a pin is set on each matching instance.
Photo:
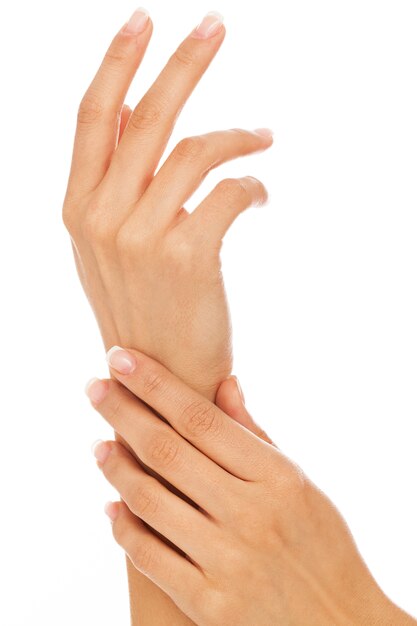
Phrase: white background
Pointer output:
(322, 281)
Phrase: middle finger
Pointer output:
(147, 498)
(152, 121)
(162, 449)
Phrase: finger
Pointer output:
(193, 416)
(161, 448)
(154, 558)
(153, 119)
(124, 118)
(99, 110)
(189, 163)
(229, 398)
(216, 213)
(147, 498)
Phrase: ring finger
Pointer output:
(162, 449)
(148, 499)
(189, 163)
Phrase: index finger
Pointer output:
(193, 416)
(100, 108)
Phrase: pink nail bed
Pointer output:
(110, 509)
(138, 22)
(101, 450)
(264, 132)
(210, 25)
(96, 390)
(121, 360)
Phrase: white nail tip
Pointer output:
(142, 10)
(89, 383)
(95, 444)
(217, 15)
(112, 351)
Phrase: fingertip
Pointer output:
(111, 509)
(96, 390)
(239, 388)
(210, 26)
(138, 22)
(266, 133)
(261, 195)
(229, 397)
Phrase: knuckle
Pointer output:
(129, 241)
(200, 418)
(133, 243)
(146, 115)
(153, 381)
(182, 256)
(114, 411)
(117, 54)
(183, 57)
(241, 131)
(68, 217)
(90, 109)
(95, 227)
(290, 480)
(143, 556)
(144, 501)
(163, 450)
(124, 239)
(190, 148)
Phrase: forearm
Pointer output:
(151, 270)
(149, 605)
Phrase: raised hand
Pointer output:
(150, 269)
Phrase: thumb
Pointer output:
(230, 399)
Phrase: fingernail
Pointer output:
(96, 390)
(111, 509)
(101, 450)
(121, 360)
(240, 390)
(264, 132)
(210, 25)
(137, 22)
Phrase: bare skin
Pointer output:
(151, 270)
(259, 542)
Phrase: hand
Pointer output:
(230, 399)
(259, 543)
(150, 269)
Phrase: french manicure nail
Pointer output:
(121, 360)
(240, 389)
(101, 450)
(264, 132)
(209, 26)
(111, 509)
(96, 390)
(137, 22)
